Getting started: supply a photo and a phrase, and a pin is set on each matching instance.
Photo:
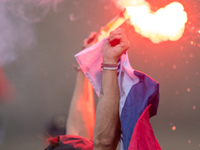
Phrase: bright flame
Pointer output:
(167, 23)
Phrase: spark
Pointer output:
(173, 128)
(174, 66)
(177, 92)
(193, 107)
(191, 55)
(181, 48)
(188, 89)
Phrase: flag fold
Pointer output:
(139, 94)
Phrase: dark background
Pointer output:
(37, 53)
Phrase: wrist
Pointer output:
(109, 66)
(110, 61)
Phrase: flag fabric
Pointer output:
(139, 94)
(143, 137)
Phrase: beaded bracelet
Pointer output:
(109, 66)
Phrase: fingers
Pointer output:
(118, 37)
(115, 45)
(90, 40)
(92, 37)
(118, 31)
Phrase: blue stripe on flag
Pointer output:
(145, 92)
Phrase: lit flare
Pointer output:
(113, 24)
(167, 23)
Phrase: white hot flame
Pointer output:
(167, 23)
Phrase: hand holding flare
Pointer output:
(115, 45)
(105, 31)
(167, 23)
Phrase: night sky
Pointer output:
(37, 48)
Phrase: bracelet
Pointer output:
(78, 68)
(109, 66)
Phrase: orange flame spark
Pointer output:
(167, 23)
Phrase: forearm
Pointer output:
(107, 123)
(81, 114)
(107, 127)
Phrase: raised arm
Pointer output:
(82, 111)
(107, 123)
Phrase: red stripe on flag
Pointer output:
(143, 137)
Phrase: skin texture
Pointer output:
(81, 117)
(105, 128)
(82, 111)
(107, 123)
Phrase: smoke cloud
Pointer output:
(32, 10)
(17, 18)
(12, 34)
(123, 4)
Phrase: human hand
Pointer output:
(91, 40)
(115, 45)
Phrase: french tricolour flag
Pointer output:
(139, 98)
